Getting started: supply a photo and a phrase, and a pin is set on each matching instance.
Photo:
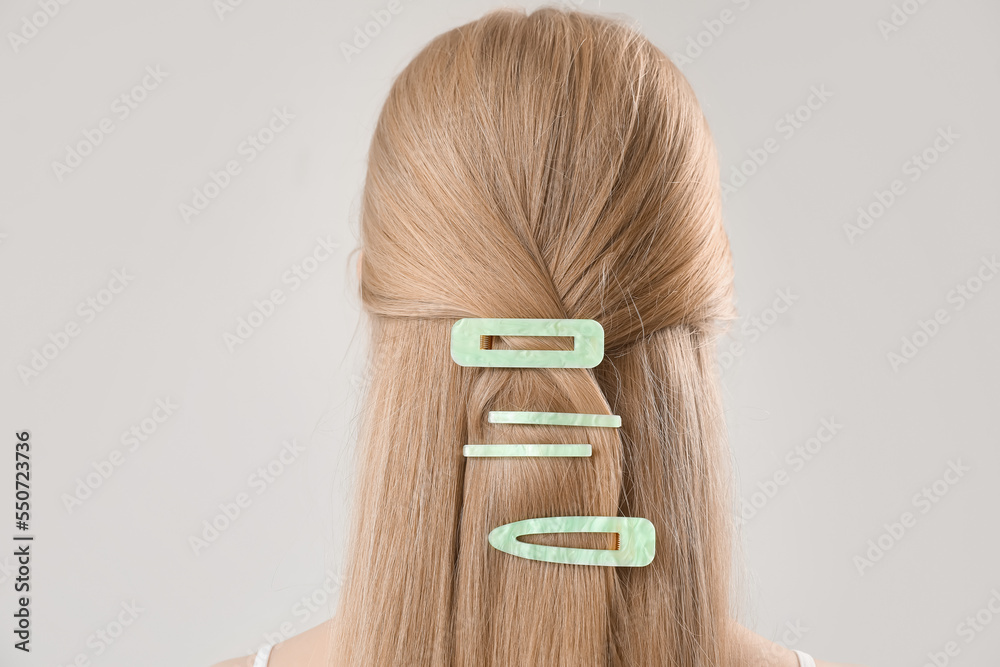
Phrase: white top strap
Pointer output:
(263, 655)
(805, 660)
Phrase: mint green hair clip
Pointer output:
(526, 450)
(471, 341)
(636, 540)
(554, 418)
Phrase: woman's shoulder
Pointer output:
(306, 649)
(245, 661)
(760, 651)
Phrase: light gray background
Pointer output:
(297, 377)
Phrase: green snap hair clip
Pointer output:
(526, 450)
(471, 341)
(636, 540)
(554, 418)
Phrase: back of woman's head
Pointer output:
(549, 165)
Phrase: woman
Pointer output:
(546, 166)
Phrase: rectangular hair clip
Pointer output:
(471, 342)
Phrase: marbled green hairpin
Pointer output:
(526, 450)
(554, 418)
(469, 334)
(636, 540)
(471, 345)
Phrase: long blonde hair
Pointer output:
(546, 165)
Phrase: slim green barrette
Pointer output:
(526, 450)
(636, 544)
(468, 334)
(554, 418)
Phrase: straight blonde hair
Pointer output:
(546, 165)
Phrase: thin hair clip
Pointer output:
(521, 450)
(554, 418)
(635, 544)
(468, 339)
